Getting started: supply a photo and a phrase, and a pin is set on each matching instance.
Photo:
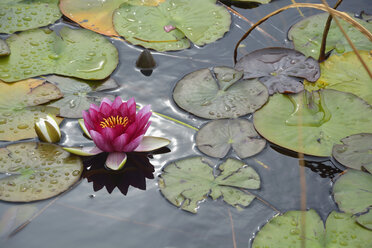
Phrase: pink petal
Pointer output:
(168, 28)
(142, 131)
(106, 100)
(105, 109)
(93, 106)
(123, 109)
(150, 143)
(109, 134)
(120, 142)
(100, 142)
(144, 111)
(131, 130)
(142, 122)
(116, 160)
(117, 102)
(83, 151)
(87, 121)
(133, 144)
(132, 109)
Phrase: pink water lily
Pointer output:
(116, 128)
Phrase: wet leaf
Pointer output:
(307, 35)
(188, 181)
(280, 69)
(77, 53)
(345, 73)
(355, 151)
(36, 171)
(366, 220)
(78, 94)
(217, 138)
(170, 25)
(4, 49)
(20, 15)
(19, 110)
(313, 123)
(219, 93)
(340, 230)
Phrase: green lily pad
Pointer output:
(312, 123)
(217, 138)
(284, 231)
(77, 53)
(4, 49)
(355, 152)
(19, 110)
(171, 24)
(219, 93)
(188, 181)
(366, 219)
(78, 94)
(345, 73)
(307, 35)
(36, 171)
(20, 15)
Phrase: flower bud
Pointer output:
(47, 129)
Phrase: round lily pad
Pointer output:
(75, 52)
(171, 24)
(20, 15)
(36, 171)
(312, 123)
(217, 137)
(279, 69)
(188, 181)
(219, 93)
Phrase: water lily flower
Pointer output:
(116, 128)
(47, 129)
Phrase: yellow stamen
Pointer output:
(113, 121)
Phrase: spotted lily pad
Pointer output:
(36, 171)
(340, 230)
(313, 123)
(345, 73)
(280, 69)
(219, 93)
(78, 94)
(188, 181)
(4, 49)
(20, 15)
(217, 137)
(307, 35)
(78, 53)
(19, 110)
(171, 24)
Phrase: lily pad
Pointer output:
(355, 152)
(284, 231)
(217, 138)
(19, 110)
(219, 93)
(312, 123)
(171, 24)
(78, 94)
(279, 69)
(188, 181)
(366, 220)
(36, 171)
(307, 35)
(4, 49)
(345, 73)
(20, 15)
(77, 53)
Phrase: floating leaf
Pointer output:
(355, 152)
(170, 25)
(20, 15)
(19, 110)
(307, 35)
(78, 94)
(366, 220)
(312, 123)
(285, 231)
(217, 137)
(345, 73)
(279, 69)
(4, 49)
(219, 93)
(186, 182)
(78, 53)
(36, 171)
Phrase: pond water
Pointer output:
(82, 217)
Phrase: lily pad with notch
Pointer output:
(280, 69)
(219, 93)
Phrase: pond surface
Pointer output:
(82, 217)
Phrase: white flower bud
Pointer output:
(47, 129)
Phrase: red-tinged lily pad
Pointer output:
(19, 108)
(4, 49)
(219, 93)
(20, 15)
(36, 171)
(280, 69)
(172, 24)
(75, 52)
(217, 138)
(312, 123)
(188, 181)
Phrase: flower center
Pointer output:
(112, 121)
